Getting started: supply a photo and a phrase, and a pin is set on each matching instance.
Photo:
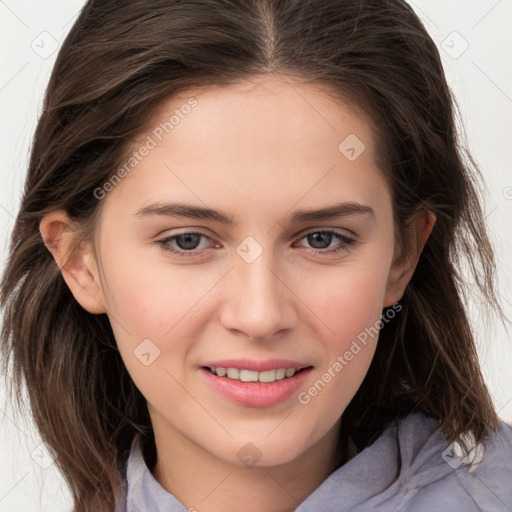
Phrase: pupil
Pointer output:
(188, 240)
(313, 239)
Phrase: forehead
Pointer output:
(266, 140)
(263, 108)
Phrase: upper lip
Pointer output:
(257, 366)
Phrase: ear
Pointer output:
(77, 263)
(408, 255)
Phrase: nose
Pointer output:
(259, 303)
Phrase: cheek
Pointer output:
(348, 305)
(158, 313)
(147, 316)
(346, 300)
(146, 308)
(149, 300)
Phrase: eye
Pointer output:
(321, 240)
(187, 243)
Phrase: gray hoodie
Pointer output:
(409, 467)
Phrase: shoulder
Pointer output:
(435, 473)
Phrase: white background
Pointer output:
(480, 76)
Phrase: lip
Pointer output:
(257, 366)
(256, 394)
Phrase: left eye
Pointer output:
(322, 240)
(187, 244)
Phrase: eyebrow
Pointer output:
(198, 212)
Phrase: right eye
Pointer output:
(184, 244)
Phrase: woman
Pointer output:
(234, 278)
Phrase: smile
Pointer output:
(253, 376)
(249, 387)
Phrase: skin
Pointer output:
(258, 151)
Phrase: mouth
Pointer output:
(255, 389)
(244, 375)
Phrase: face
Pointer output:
(264, 279)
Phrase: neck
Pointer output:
(201, 481)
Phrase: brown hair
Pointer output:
(119, 62)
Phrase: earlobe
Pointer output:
(76, 262)
(405, 262)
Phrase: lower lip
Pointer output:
(256, 394)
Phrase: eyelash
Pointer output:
(346, 243)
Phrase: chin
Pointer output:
(264, 454)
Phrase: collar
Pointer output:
(405, 455)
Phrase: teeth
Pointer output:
(248, 376)
(280, 373)
(252, 376)
(289, 372)
(267, 376)
(234, 373)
